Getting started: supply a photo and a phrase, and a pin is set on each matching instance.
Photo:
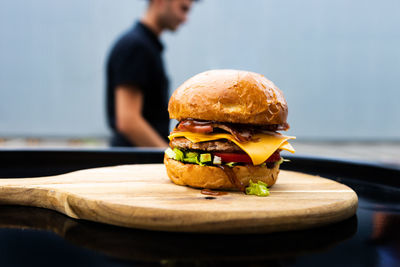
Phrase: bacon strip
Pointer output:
(242, 135)
(241, 132)
(195, 127)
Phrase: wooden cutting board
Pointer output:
(142, 196)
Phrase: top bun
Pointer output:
(229, 96)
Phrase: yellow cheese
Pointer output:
(259, 150)
(288, 147)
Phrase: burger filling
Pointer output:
(242, 132)
(219, 158)
(220, 151)
(225, 145)
(210, 146)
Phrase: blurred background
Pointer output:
(337, 62)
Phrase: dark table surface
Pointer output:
(40, 237)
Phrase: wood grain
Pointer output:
(142, 196)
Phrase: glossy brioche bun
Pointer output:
(229, 96)
(215, 178)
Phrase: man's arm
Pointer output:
(129, 119)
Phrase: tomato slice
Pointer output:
(242, 157)
(234, 157)
(276, 156)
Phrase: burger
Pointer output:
(227, 131)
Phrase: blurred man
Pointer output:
(137, 85)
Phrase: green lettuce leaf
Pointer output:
(178, 155)
(259, 189)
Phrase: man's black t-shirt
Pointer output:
(136, 60)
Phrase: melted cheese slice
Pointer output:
(259, 150)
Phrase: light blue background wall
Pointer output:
(337, 62)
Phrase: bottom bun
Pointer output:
(214, 177)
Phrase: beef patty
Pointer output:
(210, 146)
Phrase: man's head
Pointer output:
(169, 14)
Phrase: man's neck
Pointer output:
(149, 19)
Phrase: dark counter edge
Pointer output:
(16, 163)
